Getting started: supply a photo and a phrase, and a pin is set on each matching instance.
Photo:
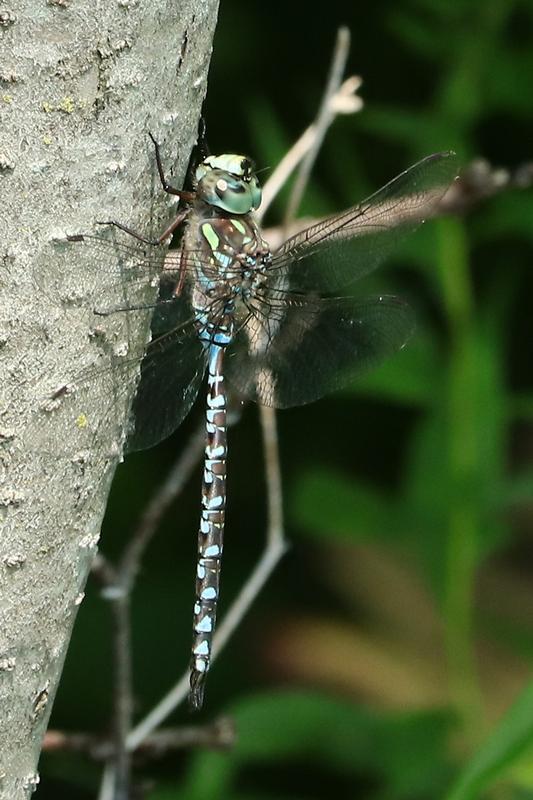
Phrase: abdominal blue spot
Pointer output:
(202, 649)
(205, 625)
(215, 452)
(214, 502)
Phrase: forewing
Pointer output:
(126, 278)
(168, 373)
(120, 271)
(171, 374)
(122, 274)
(299, 348)
(332, 254)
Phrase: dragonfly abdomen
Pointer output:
(211, 533)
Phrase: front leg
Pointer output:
(187, 197)
(176, 222)
(183, 195)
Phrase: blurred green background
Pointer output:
(389, 656)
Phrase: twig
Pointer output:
(272, 473)
(480, 180)
(107, 785)
(104, 572)
(164, 497)
(336, 99)
(219, 734)
(234, 616)
(323, 121)
(61, 741)
(344, 101)
(123, 695)
(118, 586)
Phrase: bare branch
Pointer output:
(219, 734)
(478, 181)
(272, 474)
(268, 561)
(159, 504)
(324, 119)
(344, 101)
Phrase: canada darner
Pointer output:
(282, 328)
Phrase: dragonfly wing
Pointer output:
(171, 374)
(303, 347)
(97, 398)
(339, 250)
(122, 274)
(119, 272)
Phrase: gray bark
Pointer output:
(81, 84)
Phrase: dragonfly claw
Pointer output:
(196, 694)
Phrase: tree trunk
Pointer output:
(81, 84)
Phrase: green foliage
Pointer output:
(333, 738)
(450, 506)
(512, 738)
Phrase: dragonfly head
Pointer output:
(228, 182)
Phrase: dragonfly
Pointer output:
(281, 327)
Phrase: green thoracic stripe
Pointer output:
(238, 224)
(210, 235)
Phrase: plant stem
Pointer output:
(463, 456)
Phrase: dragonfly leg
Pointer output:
(176, 222)
(106, 312)
(179, 218)
(181, 272)
(187, 196)
(129, 231)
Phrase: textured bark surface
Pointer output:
(81, 84)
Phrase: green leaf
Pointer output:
(511, 738)
(518, 490)
(277, 727)
(423, 734)
(509, 213)
(286, 729)
(408, 378)
(458, 453)
(281, 725)
(418, 130)
(329, 505)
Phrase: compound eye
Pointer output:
(256, 193)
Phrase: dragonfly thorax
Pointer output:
(228, 182)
